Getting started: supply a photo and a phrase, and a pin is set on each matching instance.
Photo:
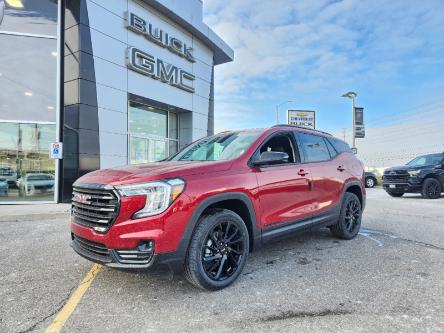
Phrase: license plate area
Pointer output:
(392, 186)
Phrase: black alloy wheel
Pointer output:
(350, 217)
(222, 251)
(218, 250)
(431, 189)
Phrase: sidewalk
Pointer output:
(32, 212)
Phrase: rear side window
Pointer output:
(314, 147)
(331, 149)
(339, 145)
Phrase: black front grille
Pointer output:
(396, 177)
(43, 187)
(94, 208)
(91, 249)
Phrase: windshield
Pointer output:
(39, 177)
(426, 160)
(220, 147)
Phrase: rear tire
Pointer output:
(431, 189)
(349, 221)
(395, 194)
(218, 250)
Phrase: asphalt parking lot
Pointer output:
(388, 279)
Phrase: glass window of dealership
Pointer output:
(65, 78)
(28, 99)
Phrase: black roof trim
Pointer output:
(303, 128)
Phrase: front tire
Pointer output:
(218, 250)
(431, 189)
(349, 221)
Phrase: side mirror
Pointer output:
(271, 157)
(439, 166)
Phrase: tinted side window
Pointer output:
(331, 149)
(339, 145)
(314, 147)
(281, 143)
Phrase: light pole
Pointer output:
(352, 95)
(277, 110)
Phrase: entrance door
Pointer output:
(153, 133)
(145, 150)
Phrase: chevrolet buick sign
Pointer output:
(147, 64)
(301, 118)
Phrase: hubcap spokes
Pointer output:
(222, 251)
(433, 190)
(352, 214)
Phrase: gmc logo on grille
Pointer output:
(82, 198)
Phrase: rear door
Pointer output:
(283, 190)
(327, 171)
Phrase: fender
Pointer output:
(354, 182)
(176, 259)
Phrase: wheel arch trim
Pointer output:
(356, 183)
(182, 249)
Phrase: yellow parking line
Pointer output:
(73, 301)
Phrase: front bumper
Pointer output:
(402, 187)
(141, 257)
(125, 236)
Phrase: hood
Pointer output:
(407, 168)
(152, 171)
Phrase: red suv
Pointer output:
(205, 208)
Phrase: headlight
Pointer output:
(414, 172)
(159, 195)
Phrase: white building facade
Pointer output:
(134, 83)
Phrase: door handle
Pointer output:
(341, 168)
(302, 172)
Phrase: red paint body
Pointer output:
(278, 194)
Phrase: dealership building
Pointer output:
(115, 81)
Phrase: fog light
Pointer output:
(142, 255)
(146, 246)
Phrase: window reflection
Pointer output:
(153, 133)
(145, 120)
(26, 171)
(28, 75)
(29, 16)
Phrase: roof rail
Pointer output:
(300, 127)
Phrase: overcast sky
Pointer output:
(390, 52)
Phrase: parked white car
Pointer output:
(35, 183)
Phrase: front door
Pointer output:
(284, 189)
